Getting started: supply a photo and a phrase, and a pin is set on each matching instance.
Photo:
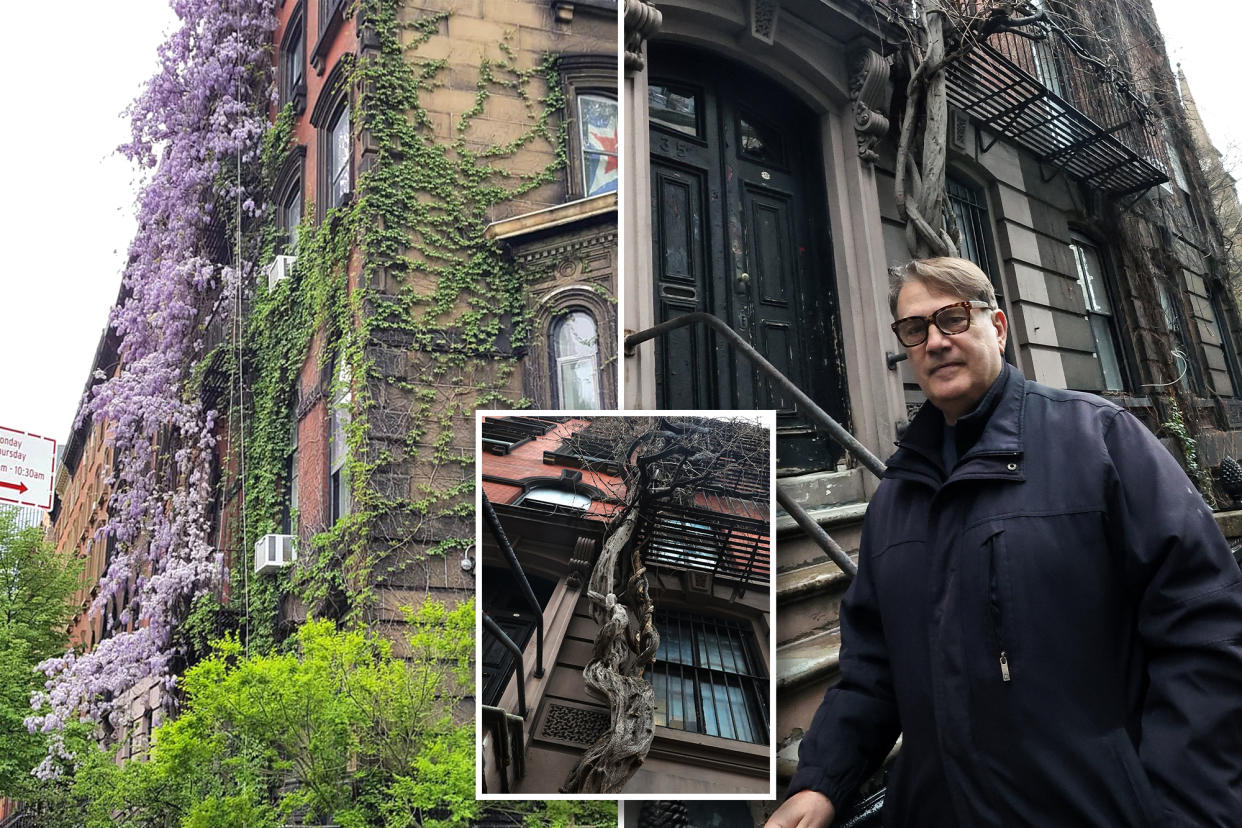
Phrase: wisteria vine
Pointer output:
(198, 125)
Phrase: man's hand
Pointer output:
(805, 809)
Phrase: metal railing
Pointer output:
(806, 405)
(498, 532)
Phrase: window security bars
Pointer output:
(708, 679)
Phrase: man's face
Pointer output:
(953, 371)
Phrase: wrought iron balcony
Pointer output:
(1072, 114)
(727, 545)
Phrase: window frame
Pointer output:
(290, 179)
(584, 151)
(584, 74)
(985, 242)
(1225, 329)
(557, 361)
(753, 683)
(294, 36)
(1168, 297)
(1115, 317)
(289, 524)
(333, 103)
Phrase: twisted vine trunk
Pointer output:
(922, 206)
(615, 671)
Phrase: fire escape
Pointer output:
(1073, 114)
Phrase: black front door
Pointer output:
(739, 229)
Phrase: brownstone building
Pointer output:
(556, 239)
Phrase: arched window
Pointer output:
(575, 361)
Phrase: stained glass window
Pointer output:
(597, 116)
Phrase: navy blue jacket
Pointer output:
(1055, 629)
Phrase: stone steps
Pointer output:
(809, 588)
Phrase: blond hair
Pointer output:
(958, 277)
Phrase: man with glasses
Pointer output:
(1045, 609)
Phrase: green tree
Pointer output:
(337, 730)
(35, 585)
(340, 730)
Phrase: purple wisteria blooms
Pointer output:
(198, 122)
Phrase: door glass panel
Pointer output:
(677, 109)
(759, 142)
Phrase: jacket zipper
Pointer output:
(998, 622)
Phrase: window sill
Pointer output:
(711, 751)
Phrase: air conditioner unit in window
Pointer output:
(271, 552)
(279, 269)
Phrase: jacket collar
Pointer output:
(996, 425)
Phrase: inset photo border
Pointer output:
(626, 638)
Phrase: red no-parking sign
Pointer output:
(27, 468)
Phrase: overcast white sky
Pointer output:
(68, 217)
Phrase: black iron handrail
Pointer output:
(821, 418)
(498, 532)
(809, 525)
(507, 642)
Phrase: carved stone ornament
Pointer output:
(642, 20)
(581, 563)
(763, 17)
(870, 91)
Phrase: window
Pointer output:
(1188, 369)
(327, 9)
(1099, 312)
(338, 450)
(292, 76)
(708, 679)
(554, 499)
(290, 219)
(970, 211)
(679, 542)
(575, 361)
(1222, 329)
(1047, 65)
(337, 157)
(969, 208)
(335, 146)
(287, 195)
(590, 82)
(597, 118)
